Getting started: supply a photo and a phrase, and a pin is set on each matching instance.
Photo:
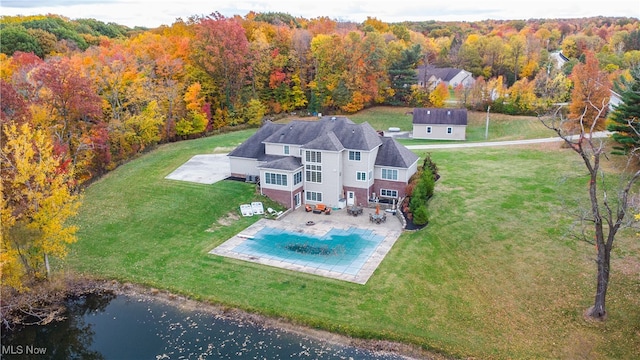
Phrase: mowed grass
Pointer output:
(493, 276)
(501, 127)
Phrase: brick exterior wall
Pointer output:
(284, 198)
(362, 197)
(401, 187)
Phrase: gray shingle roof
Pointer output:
(439, 116)
(288, 163)
(446, 74)
(254, 147)
(392, 153)
(328, 142)
(328, 133)
(351, 135)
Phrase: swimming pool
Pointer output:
(339, 250)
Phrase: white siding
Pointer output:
(244, 166)
(331, 186)
(439, 132)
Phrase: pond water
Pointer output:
(129, 327)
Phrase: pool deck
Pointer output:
(296, 221)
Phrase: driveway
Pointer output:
(599, 134)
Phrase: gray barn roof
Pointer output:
(439, 116)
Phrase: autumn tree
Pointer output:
(439, 95)
(36, 203)
(73, 107)
(608, 210)
(221, 49)
(590, 95)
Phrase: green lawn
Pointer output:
(501, 127)
(493, 275)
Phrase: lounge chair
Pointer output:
(257, 208)
(273, 212)
(246, 210)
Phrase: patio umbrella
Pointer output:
(377, 209)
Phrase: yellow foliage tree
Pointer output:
(36, 203)
(439, 95)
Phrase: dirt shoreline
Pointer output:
(379, 346)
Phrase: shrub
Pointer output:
(421, 215)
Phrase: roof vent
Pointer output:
(428, 112)
(448, 112)
(333, 118)
(290, 127)
(353, 131)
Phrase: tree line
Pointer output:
(79, 97)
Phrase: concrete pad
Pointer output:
(203, 169)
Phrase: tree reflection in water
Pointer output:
(70, 338)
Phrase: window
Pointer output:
(275, 179)
(449, 130)
(313, 156)
(313, 173)
(361, 176)
(354, 155)
(297, 178)
(390, 174)
(389, 193)
(286, 149)
(428, 129)
(313, 196)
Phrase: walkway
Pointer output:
(599, 134)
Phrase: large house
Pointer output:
(430, 76)
(439, 124)
(332, 161)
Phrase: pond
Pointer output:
(135, 327)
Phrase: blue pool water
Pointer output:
(344, 251)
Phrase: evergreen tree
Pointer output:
(403, 74)
(625, 119)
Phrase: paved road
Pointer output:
(599, 134)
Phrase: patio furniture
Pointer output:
(319, 208)
(354, 210)
(257, 208)
(273, 212)
(308, 208)
(246, 210)
(378, 218)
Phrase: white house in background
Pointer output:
(559, 58)
(439, 124)
(614, 100)
(430, 76)
(329, 161)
